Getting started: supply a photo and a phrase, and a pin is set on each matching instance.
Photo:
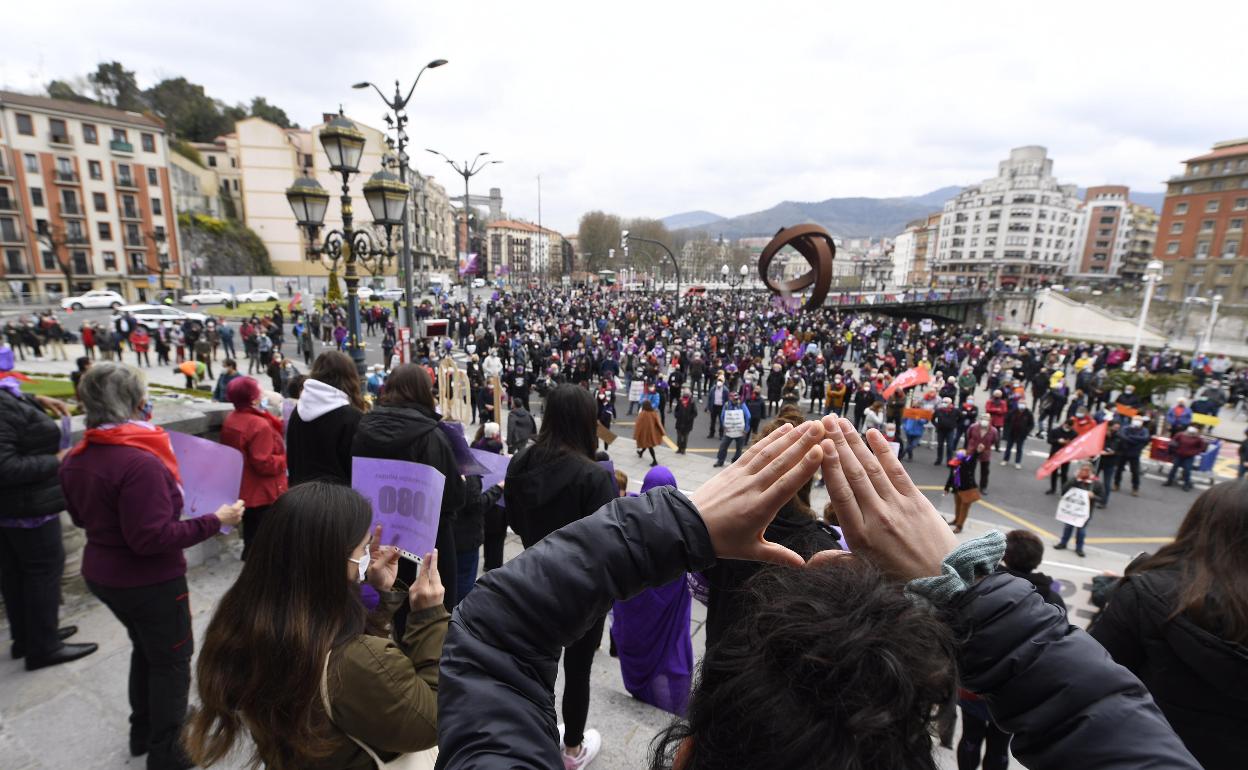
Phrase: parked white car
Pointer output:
(364, 293)
(259, 295)
(151, 316)
(390, 294)
(92, 299)
(207, 297)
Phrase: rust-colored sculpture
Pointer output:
(815, 244)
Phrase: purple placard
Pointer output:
(212, 474)
(468, 465)
(610, 466)
(496, 466)
(67, 431)
(406, 500)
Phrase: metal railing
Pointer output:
(117, 145)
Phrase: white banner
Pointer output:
(1075, 507)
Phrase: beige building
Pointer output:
(221, 158)
(196, 188)
(85, 199)
(514, 250)
(433, 224)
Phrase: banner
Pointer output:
(1205, 419)
(908, 379)
(1090, 444)
(913, 413)
(468, 465)
(212, 474)
(1126, 411)
(495, 464)
(1075, 507)
(406, 499)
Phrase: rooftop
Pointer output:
(84, 109)
(1229, 149)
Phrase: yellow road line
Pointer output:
(667, 442)
(1141, 540)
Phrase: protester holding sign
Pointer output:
(294, 662)
(404, 426)
(961, 483)
(324, 421)
(123, 487)
(549, 485)
(1074, 510)
(257, 434)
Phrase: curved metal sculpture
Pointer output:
(816, 246)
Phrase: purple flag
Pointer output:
(779, 336)
(67, 431)
(406, 500)
(212, 474)
(468, 465)
(495, 464)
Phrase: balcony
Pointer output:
(121, 147)
(8, 204)
(67, 177)
(72, 210)
(134, 241)
(81, 266)
(130, 212)
(77, 239)
(127, 182)
(60, 140)
(10, 235)
(15, 265)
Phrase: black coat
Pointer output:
(1199, 680)
(29, 441)
(468, 526)
(1050, 684)
(546, 492)
(685, 415)
(410, 432)
(321, 448)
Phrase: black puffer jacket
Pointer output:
(469, 525)
(546, 492)
(1199, 680)
(29, 441)
(1048, 682)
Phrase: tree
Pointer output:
(598, 233)
(261, 108)
(116, 85)
(60, 89)
(646, 256)
(187, 109)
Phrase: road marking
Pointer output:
(667, 442)
(1129, 540)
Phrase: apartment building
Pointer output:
(1017, 229)
(1200, 238)
(1105, 234)
(1144, 223)
(85, 199)
(519, 251)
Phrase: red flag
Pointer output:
(908, 379)
(1090, 444)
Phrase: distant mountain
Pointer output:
(851, 217)
(691, 219)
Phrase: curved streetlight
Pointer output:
(467, 170)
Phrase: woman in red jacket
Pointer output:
(258, 435)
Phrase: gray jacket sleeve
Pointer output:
(502, 651)
(1051, 685)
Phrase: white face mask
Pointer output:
(362, 562)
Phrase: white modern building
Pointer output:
(903, 257)
(1019, 228)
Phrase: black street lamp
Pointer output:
(467, 171)
(398, 105)
(728, 276)
(624, 239)
(387, 200)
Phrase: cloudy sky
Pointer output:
(652, 108)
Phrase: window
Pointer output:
(1186, 190)
(235, 184)
(1236, 224)
(1168, 271)
(81, 265)
(1194, 169)
(1102, 244)
(69, 202)
(148, 142)
(31, 162)
(212, 161)
(89, 134)
(49, 261)
(1176, 228)
(1202, 249)
(99, 201)
(1229, 249)
(119, 135)
(1172, 247)
(1216, 185)
(25, 126)
(1197, 272)
(110, 260)
(1107, 220)
(152, 177)
(159, 233)
(156, 207)
(1100, 257)
(1241, 204)
(36, 196)
(1226, 271)
(1211, 207)
(1104, 232)
(106, 231)
(1180, 208)
(95, 169)
(57, 131)
(1206, 226)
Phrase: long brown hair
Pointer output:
(408, 384)
(260, 667)
(1209, 551)
(333, 367)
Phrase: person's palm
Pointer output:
(383, 563)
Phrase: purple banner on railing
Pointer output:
(406, 500)
(212, 474)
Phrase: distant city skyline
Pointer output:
(657, 109)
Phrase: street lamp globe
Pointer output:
(387, 198)
(308, 200)
(1154, 268)
(723, 271)
(744, 271)
(344, 144)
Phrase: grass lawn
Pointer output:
(49, 387)
(259, 309)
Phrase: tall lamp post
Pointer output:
(1152, 274)
(1207, 337)
(398, 105)
(728, 278)
(387, 200)
(624, 239)
(467, 171)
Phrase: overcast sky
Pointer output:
(653, 108)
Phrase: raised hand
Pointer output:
(230, 514)
(884, 516)
(738, 503)
(383, 563)
(427, 591)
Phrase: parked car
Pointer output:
(478, 283)
(259, 295)
(364, 293)
(90, 299)
(390, 294)
(152, 315)
(207, 297)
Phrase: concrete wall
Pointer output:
(1057, 315)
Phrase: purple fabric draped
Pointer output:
(651, 633)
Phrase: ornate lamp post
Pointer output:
(734, 282)
(387, 200)
(467, 171)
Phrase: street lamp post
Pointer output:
(624, 239)
(467, 171)
(387, 200)
(398, 105)
(1207, 339)
(1152, 274)
(728, 276)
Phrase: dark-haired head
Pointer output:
(1023, 550)
(569, 423)
(833, 667)
(260, 666)
(407, 384)
(335, 368)
(1208, 550)
(791, 414)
